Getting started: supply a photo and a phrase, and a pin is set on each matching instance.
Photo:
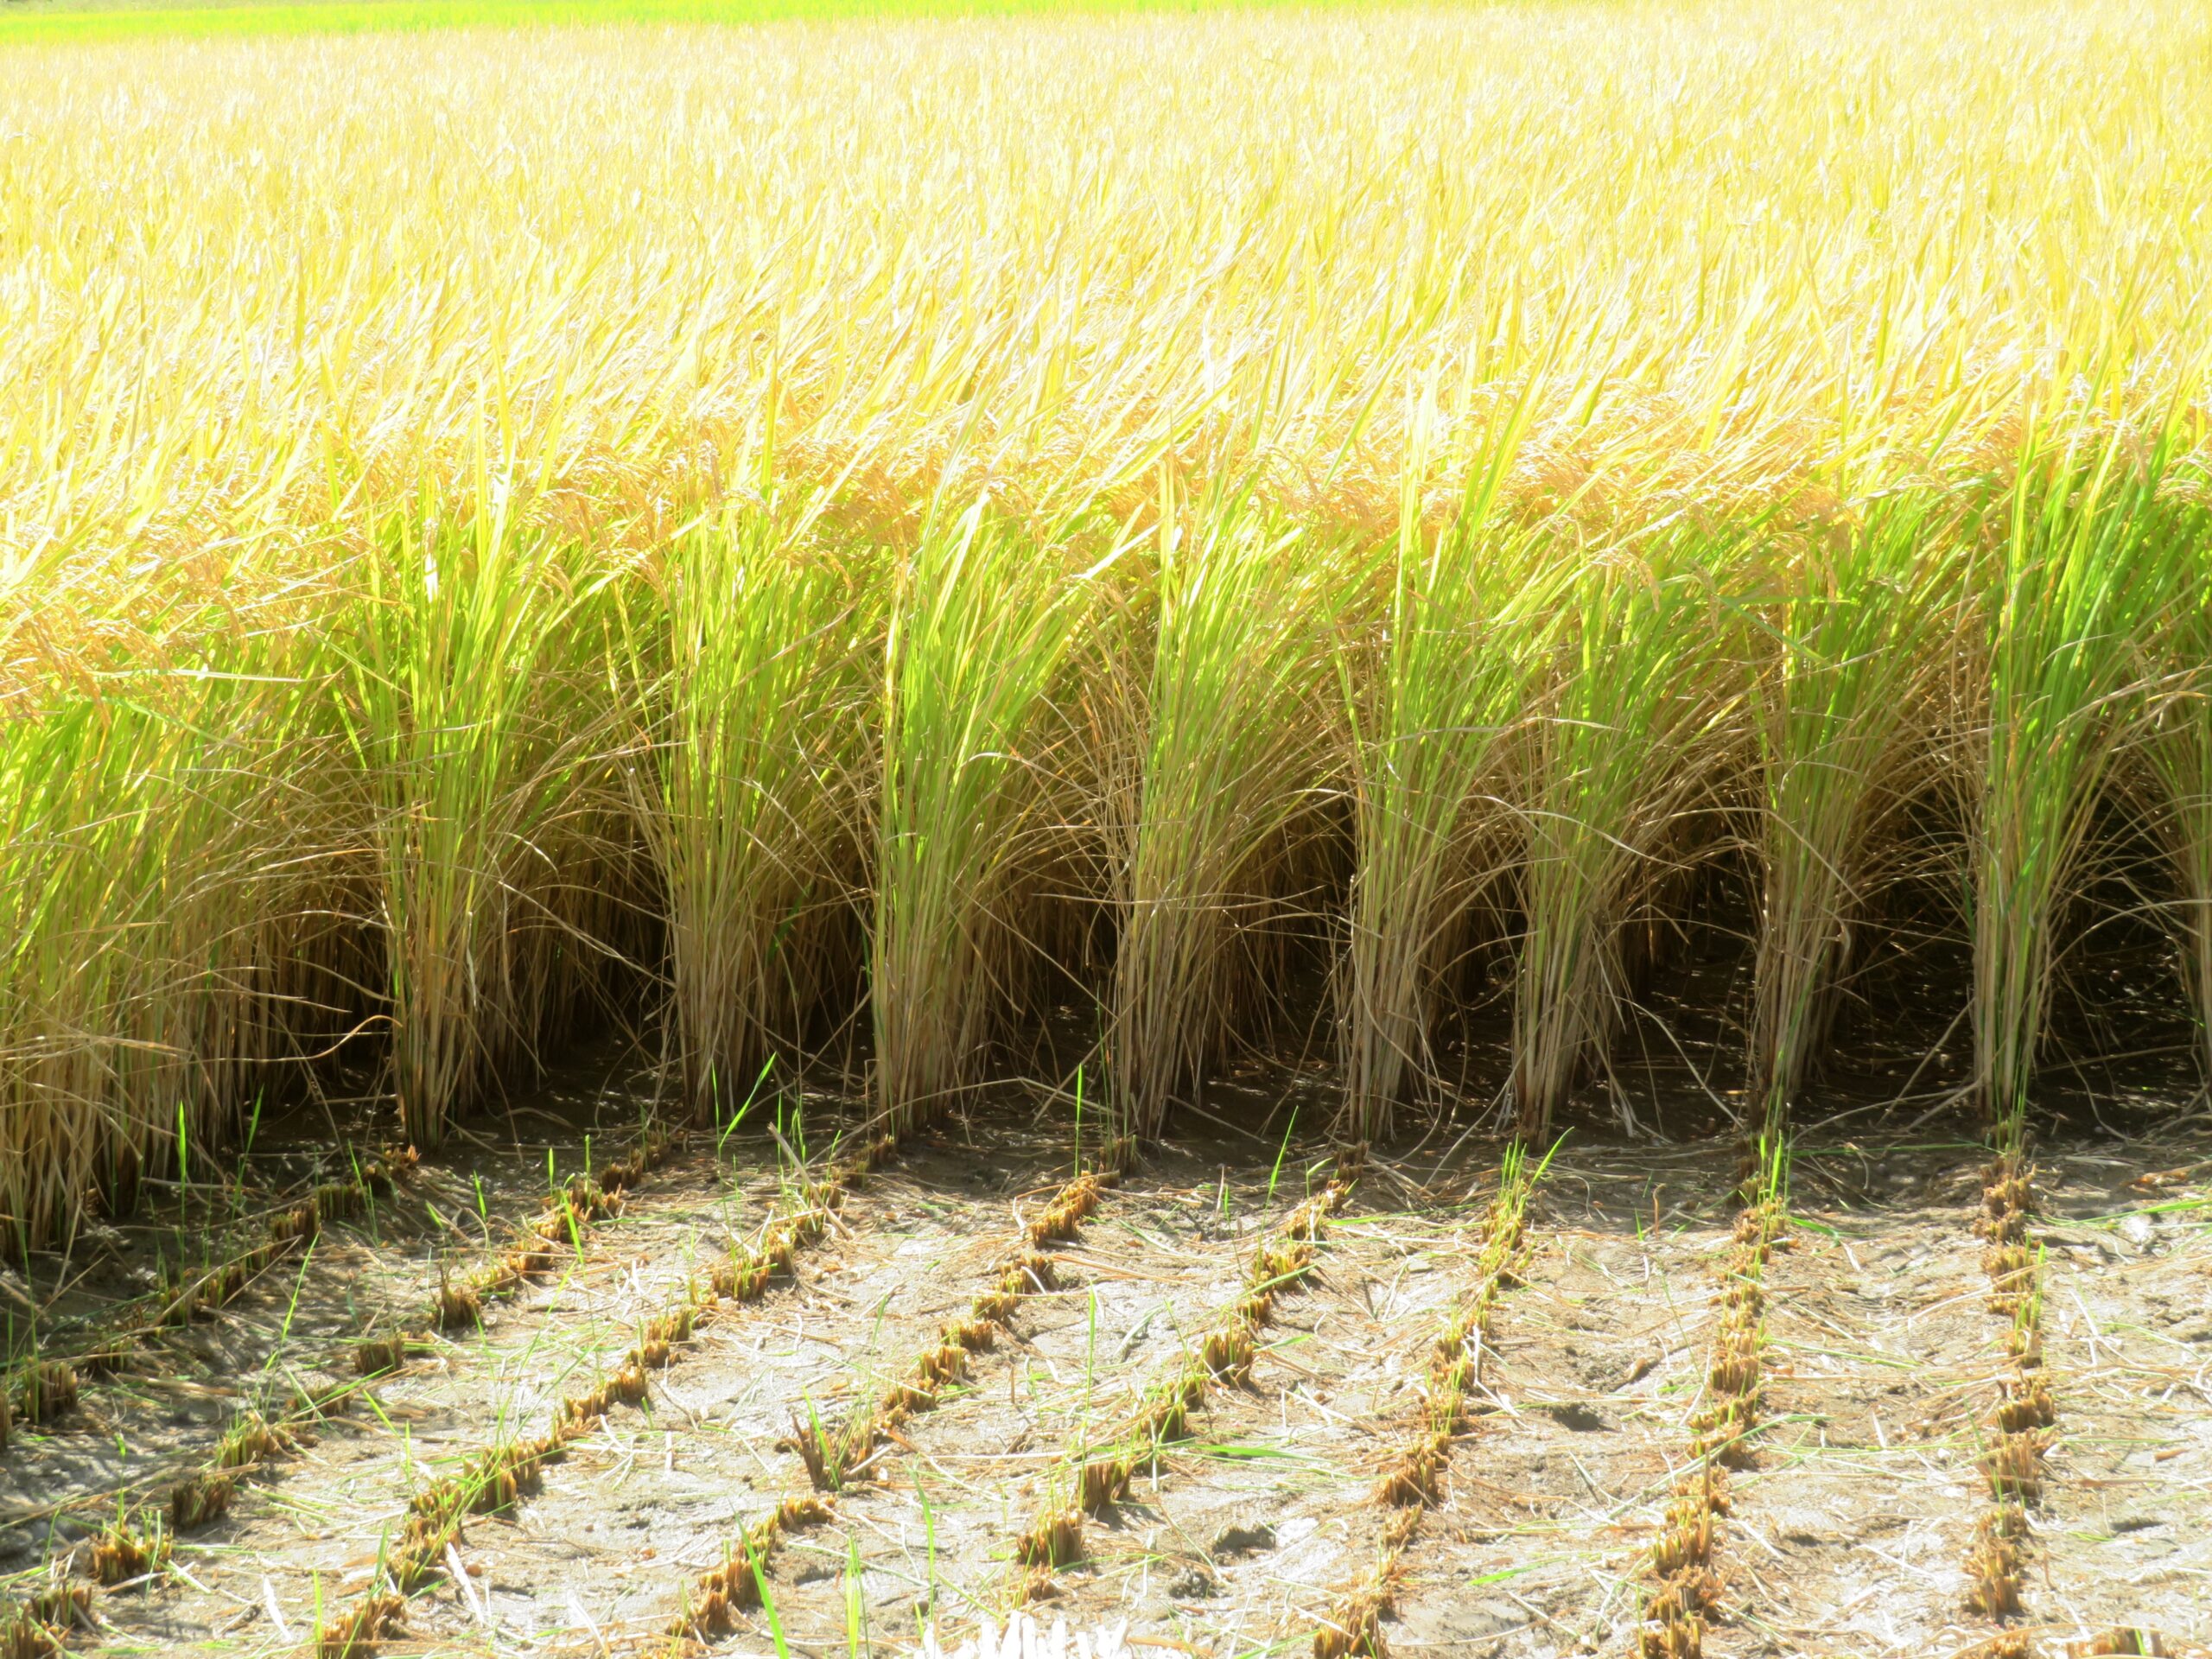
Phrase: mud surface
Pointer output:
(1848, 1535)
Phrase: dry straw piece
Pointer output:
(1684, 1558)
(1412, 1480)
(497, 1475)
(1226, 1354)
(834, 1454)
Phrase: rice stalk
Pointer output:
(1238, 756)
(1640, 719)
(981, 624)
(2085, 536)
(760, 789)
(1468, 622)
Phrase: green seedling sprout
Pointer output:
(291, 1311)
(752, 1094)
(767, 1597)
(1274, 1172)
(855, 1601)
(183, 1163)
(928, 1543)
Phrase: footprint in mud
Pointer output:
(1580, 1418)
(1243, 1539)
(1196, 1584)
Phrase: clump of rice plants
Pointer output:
(2085, 538)
(1233, 764)
(480, 803)
(980, 629)
(1638, 731)
(1434, 743)
(161, 913)
(2174, 753)
(761, 788)
(1842, 708)
(451, 598)
(711, 1607)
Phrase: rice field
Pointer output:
(1295, 731)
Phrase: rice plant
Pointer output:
(476, 772)
(1433, 736)
(1637, 734)
(756, 826)
(2176, 746)
(2076, 590)
(163, 917)
(75, 1001)
(980, 628)
(1843, 709)
(1237, 756)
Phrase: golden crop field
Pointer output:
(886, 559)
